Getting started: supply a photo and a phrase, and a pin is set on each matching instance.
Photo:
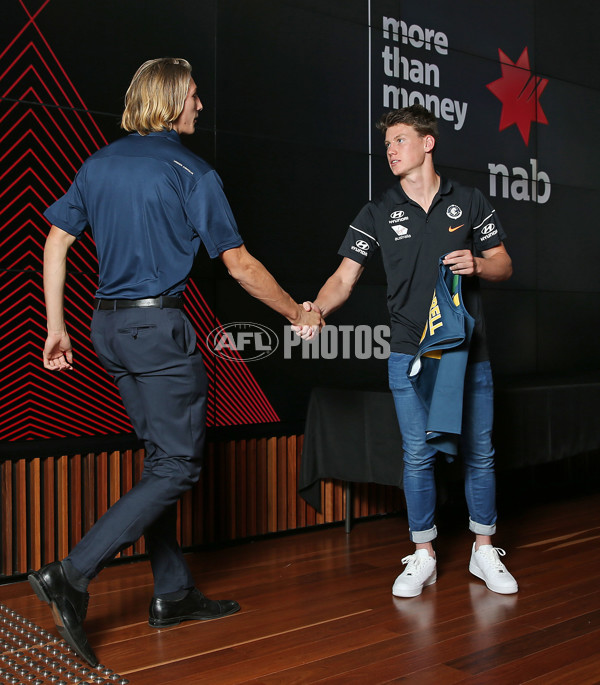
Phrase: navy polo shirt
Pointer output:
(411, 243)
(150, 203)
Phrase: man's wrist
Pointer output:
(320, 308)
(295, 319)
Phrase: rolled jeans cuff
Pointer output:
(423, 535)
(480, 528)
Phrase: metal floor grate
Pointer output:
(30, 655)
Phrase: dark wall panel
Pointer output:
(511, 325)
(293, 201)
(289, 72)
(568, 245)
(567, 330)
(101, 43)
(568, 145)
(567, 41)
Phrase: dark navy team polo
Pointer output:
(412, 242)
(150, 203)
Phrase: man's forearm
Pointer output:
(55, 273)
(338, 287)
(258, 282)
(496, 267)
(332, 295)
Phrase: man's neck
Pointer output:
(421, 187)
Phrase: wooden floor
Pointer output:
(317, 607)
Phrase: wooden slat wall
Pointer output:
(248, 488)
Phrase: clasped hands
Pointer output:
(311, 323)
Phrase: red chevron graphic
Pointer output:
(46, 133)
(234, 395)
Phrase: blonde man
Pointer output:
(150, 203)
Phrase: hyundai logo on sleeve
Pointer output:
(360, 246)
(489, 231)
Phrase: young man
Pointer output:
(417, 221)
(150, 203)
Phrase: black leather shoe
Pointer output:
(193, 607)
(69, 606)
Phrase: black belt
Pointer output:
(164, 302)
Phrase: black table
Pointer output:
(353, 435)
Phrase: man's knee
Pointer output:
(181, 473)
(482, 462)
(418, 459)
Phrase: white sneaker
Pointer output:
(485, 564)
(420, 571)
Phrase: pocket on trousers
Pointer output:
(189, 336)
(183, 332)
(398, 363)
(135, 331)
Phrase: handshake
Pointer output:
(310, 321)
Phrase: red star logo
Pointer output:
(519, 91)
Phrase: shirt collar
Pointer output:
(444, 189)
(173, 135)
(445, 185)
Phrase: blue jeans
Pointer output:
(419, 457)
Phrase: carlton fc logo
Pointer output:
(454, 212)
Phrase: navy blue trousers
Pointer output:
(152, 355)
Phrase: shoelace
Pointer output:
(494, 559)
(412, 561)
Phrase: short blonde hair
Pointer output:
(156, 95)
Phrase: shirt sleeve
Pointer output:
(487, 229)
(69, 212)
(210, 214)
(360, 243)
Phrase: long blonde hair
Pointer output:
(156, 95)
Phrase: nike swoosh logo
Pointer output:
(455, 228)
